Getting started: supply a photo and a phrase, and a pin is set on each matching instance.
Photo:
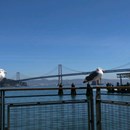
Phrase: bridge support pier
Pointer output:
(59, 74)
(60, 91)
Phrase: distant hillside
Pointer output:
(11, 83)
(68, 82)
(54, 82)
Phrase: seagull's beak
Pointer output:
(103, 71)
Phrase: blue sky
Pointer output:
(37, 35)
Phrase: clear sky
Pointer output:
(37, 35)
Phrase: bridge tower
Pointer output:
(60, 91)
(59, 74)
(18, 76)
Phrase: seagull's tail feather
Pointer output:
(87, 79)
(84, 81)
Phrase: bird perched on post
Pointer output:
(2, 74)
(94, 76)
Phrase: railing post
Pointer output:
(2, 110)
(98, 109)
(60, 90)
(90, 107)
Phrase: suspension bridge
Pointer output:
(60, 74)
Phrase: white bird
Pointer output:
(2, 74)
(94, 75)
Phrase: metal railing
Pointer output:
(42, 108)
(112, 109)
(51, 115)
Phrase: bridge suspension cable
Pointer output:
(71, 69)
(121, 66)
(51, 71)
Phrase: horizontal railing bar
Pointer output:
(115, 102)
(116, 94)
(64, 88)
(40, 95)
(47, 103)
(23, 88)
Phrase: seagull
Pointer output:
(2, 74)
(94, 75)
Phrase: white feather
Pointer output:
(2, 74)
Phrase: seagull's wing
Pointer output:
(91, 76)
